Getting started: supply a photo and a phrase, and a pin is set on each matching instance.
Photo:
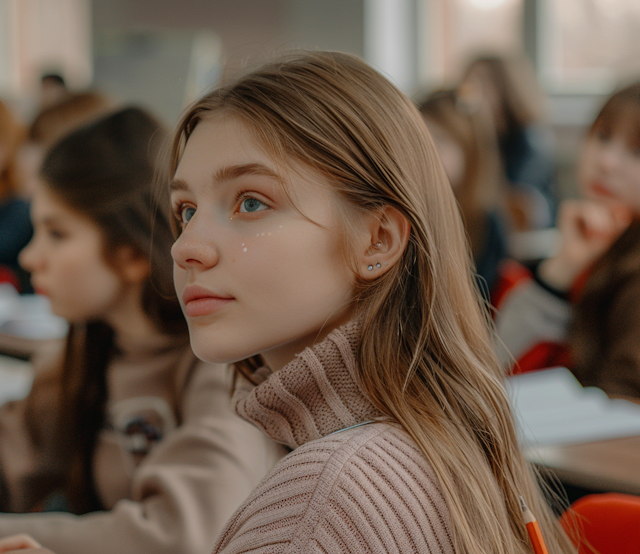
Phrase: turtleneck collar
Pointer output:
(312, 396)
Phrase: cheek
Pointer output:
(179, 278)
(289, 261)
(259, 241)
(586, 166)
(83, 287)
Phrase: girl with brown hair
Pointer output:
(125, 428)
(321, 250)
(581, 307)
(509, 89)
(468, 150)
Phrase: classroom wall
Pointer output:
(143, 47)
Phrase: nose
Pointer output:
(192, 250)
(28, 257)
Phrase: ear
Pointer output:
(133, 267)
(383, 243)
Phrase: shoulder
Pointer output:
(369, 486)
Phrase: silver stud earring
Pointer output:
(378, 264)
(370, 268)
(378, 244)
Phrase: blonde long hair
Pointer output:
(426, 357)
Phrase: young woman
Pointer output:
(582, 307)
(125, 428)
(509, 88)
(468, 150)
(320, 249)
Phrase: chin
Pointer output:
(208, 351)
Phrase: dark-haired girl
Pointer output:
(125, 428)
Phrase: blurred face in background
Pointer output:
(609, 168)
(67, 263)
(479, 86)
(450, 153)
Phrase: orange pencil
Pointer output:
(535, 535)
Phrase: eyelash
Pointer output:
(243, 195)
(177, 213)
(55, 234)
(240, 197)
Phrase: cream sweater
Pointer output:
(366, 489)
(175, 498)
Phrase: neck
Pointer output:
(314, 395)
(129, 321)
(276, 358)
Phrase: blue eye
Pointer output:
(187, 214)
(249, 205)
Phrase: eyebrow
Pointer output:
(229, 173)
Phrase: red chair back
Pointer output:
(610, 523)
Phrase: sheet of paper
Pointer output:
(16, 377)
(552, 408)
(28, 316)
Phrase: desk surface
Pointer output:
(608, 466)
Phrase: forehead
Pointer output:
(45, 199)
(224, 146)
(221, 140)
(46, 204)
(620, 118)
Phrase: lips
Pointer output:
(199, 301)
(601, 190)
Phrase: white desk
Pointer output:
(585, 438)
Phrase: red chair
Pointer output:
(7, 275)
(610, 523)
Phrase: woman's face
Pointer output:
(609, 168)
(66, 261)
(253, 274)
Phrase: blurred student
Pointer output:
(514, 98)
(52, 123)
(15, 223)
(581, 308)
(126, 429)
(468, 151)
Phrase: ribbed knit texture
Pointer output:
(367, 489)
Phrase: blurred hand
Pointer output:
(588, 230)
(21, 544)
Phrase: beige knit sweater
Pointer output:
(366, 489)
(174, 499)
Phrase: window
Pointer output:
(588, 45)
(38, 36)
